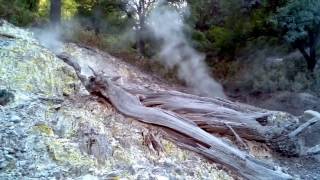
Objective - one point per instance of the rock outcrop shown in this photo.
(51, 128)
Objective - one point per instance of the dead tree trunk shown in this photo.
(191, 119)
(201, 141)
(218, 115)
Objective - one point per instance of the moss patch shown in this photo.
(44, 129)
(64, 153)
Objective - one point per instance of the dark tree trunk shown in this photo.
(96, 19)
(312, 60)
(33, 5)
(141, 28)
(311, 57)
(142, 47)
(141, 41)
(55, 12)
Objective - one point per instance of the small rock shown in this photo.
(9, 150)
(89, 177)
(22, 163)
(161, 178)
(4, 164)
(178, 170)
(15, 119)
(8, 156)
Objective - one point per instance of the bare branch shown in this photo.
(301, 128)
(313, 113)
(313, 151)
(238, 138)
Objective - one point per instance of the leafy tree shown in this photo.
(204, 13)
(19, 12)
(140, 10)
(229, 24)
(300, 23)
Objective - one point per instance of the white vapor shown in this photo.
(168, 26)
(49, 37)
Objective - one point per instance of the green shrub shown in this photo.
(200, 41)
(223, 39)
(17, 12)
(290, 74)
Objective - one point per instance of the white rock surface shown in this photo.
(54, 130)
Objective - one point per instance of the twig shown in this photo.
(93, 71)
(238, 138)
(54, 100)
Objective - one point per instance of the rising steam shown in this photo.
(167, 25)
(49, 37)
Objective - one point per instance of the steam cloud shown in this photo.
(167, 26)
(49, 37)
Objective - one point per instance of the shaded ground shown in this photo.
(307, 168)
(294, 103)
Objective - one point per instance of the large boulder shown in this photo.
(28, 68)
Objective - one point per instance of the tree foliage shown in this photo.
(20, 12)
(217, 27)
(299, 22)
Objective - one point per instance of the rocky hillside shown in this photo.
(51, 128)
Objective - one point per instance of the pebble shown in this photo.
(9, 150)
(8, 156)
(22, 163)
(4, 164)
(89, 177)
(15, 119)
(178, 170)
(161, 178)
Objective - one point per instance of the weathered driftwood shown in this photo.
(155, 111)
(218, 115)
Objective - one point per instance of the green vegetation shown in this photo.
(234, 34)
(18, 11)
(300, 23)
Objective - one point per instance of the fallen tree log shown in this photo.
(218, 115)
(153, 108)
